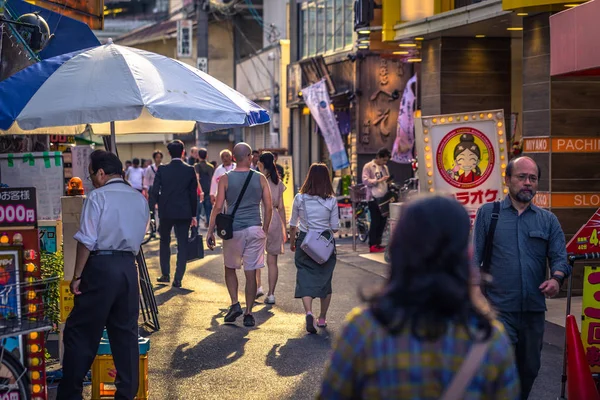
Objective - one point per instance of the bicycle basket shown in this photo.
(22, 306)
(358, 193)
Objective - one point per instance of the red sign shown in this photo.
(586, 240)
(18, 207)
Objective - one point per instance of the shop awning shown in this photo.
(574, 46)
(150, 33)
(69, 35)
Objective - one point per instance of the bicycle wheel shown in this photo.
(363, 231)
(150, 233)
(13, 377)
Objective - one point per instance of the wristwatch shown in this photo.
(558, 278)
(76, 278)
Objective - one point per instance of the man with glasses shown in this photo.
(527, 241)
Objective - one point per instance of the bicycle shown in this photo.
(151, 231)
(363, 221)
(17, 319)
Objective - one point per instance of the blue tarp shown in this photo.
(69, 34)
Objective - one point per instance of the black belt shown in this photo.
(121, 253)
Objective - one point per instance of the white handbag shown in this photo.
(318, 246)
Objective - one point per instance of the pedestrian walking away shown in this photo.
(422, 336)
(315, 208)
(247, 246)
(105, 282)
(523, 240)
(175, 190)
(204, 171)
(148, 182)
(226, 166)
(277, 234)
(375, 175)
(135, 175)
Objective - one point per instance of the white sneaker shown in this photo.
(259, 292)
(270, 299)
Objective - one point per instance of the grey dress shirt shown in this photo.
(523, 247)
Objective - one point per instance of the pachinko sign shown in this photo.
(17, 207)
(463, 155)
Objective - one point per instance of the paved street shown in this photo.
(196, 356)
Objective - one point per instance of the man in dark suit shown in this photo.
(175, 190)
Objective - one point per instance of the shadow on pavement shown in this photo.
(223, 347)
(167, 295)
(291, 358)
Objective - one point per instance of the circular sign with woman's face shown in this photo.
(465, 158)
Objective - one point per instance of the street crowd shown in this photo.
(461, 315)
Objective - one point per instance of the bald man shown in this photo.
(526, 242)
(247, 247)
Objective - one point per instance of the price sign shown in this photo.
(18, 207)
(587, 239)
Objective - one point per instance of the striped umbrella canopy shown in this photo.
(120, 90)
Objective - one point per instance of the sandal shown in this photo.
(322, 323)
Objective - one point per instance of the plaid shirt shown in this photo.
(369, 363)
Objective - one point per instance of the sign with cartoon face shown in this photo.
(464, 155)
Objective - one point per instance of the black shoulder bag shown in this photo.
(489, 244)
(223, 221)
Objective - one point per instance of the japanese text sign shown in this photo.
(586, 239)
(463, 155)
(590, 321)
(67, 300)
(18, 207)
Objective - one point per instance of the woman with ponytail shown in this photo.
(425, 325)
(277, 235)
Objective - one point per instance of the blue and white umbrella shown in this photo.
(138, 91)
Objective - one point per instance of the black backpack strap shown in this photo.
(489, 240)
(241, 196)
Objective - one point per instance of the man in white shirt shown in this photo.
(105, 282)
(375, 176)
(135, 175)
(226, 166)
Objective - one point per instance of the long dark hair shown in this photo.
(318, 182)
(268, 161)
(429, 285)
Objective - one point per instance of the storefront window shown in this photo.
(329, 25)
(326, 26)
(339, 28)
(312, 22)
(349, 22)
(320, 27)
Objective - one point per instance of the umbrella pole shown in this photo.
(113, 138)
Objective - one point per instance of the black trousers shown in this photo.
(377, 224)
(526, 333)
(109, 297)
(182, 227)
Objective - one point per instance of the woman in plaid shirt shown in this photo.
(413, 337)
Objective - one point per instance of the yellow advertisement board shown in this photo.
(67, 300)
(288, 181)
(590, 318)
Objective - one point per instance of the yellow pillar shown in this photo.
(284, 111)
(390, 16)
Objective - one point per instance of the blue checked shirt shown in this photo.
(369, 363)
(523, 248)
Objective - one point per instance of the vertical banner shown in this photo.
(288, 181)
(318, 102)
(184, 38)
(463, 155)
(402, 152)
(81, 162)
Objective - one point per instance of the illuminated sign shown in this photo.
(463, 155)
(561, 145)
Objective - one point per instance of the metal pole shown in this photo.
(353, 226)
(113, 138)
(568, 311)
